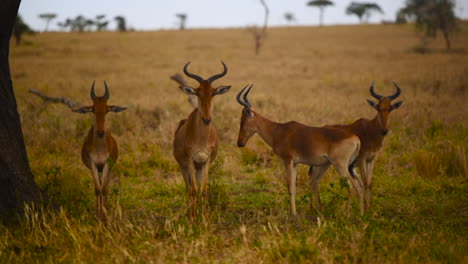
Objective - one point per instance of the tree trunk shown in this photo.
(260, 35)
(447, 39)
(17, 185)
(360, 19)
(47, 25)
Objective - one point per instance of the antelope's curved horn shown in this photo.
(191, 75)
(396, 94)
(246, 100)
(244, 104)
(106, 93)
(373, 93)
(93, 94)
(217, 76)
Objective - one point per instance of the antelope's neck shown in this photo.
(199, 134)
(375, 124)
(265, 128)
(375, 131)
(100, 143)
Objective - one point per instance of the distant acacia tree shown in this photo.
(89, 23)
(402, 16)
(47, 17)
(321, 4)
(289, 17)
(79, 23)
(19, 28)
(182, 20)
(100, 23)
(121, 23)
(363, 10)
(431, 16)
(259, 34)
(64, 25)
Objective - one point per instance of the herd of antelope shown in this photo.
(196, 143)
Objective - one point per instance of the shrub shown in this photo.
(67, 189)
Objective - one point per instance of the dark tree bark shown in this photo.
(17, 185)
(447, 39)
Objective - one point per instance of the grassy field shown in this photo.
(313, 75)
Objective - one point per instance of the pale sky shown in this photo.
(153, 14)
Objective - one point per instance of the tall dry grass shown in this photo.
(316, 76)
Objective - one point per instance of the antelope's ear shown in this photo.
(83, 109)
(372, 103)
(116, 109)
(396, 105)
(221, 90)
(188, 90)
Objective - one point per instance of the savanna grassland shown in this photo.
(316, 76)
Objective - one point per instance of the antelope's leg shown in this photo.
(368, 185)
(204, 185)
(357, 178)
(361, 180)
(315, 174)
(188, 188)
(351, 192)
(97, 189)
(363, 171)
(290, 169)
(193, 188)
(105, 187)
(342, 170)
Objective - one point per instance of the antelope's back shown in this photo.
(311, 142)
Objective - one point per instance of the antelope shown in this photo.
(371, 133)
(99, 152)
(295, 143)
(196, 141)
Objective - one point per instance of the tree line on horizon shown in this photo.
(363, 10)
(81, 23)
(429, 16)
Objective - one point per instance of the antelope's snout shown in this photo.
(240, 144)
(100, 133)
(384, 132)
(206, 121)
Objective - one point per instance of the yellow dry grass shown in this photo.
(316, 76)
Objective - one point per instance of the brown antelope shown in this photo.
(99, 152)
(371, 133)
(295, 143)
(196, 141)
